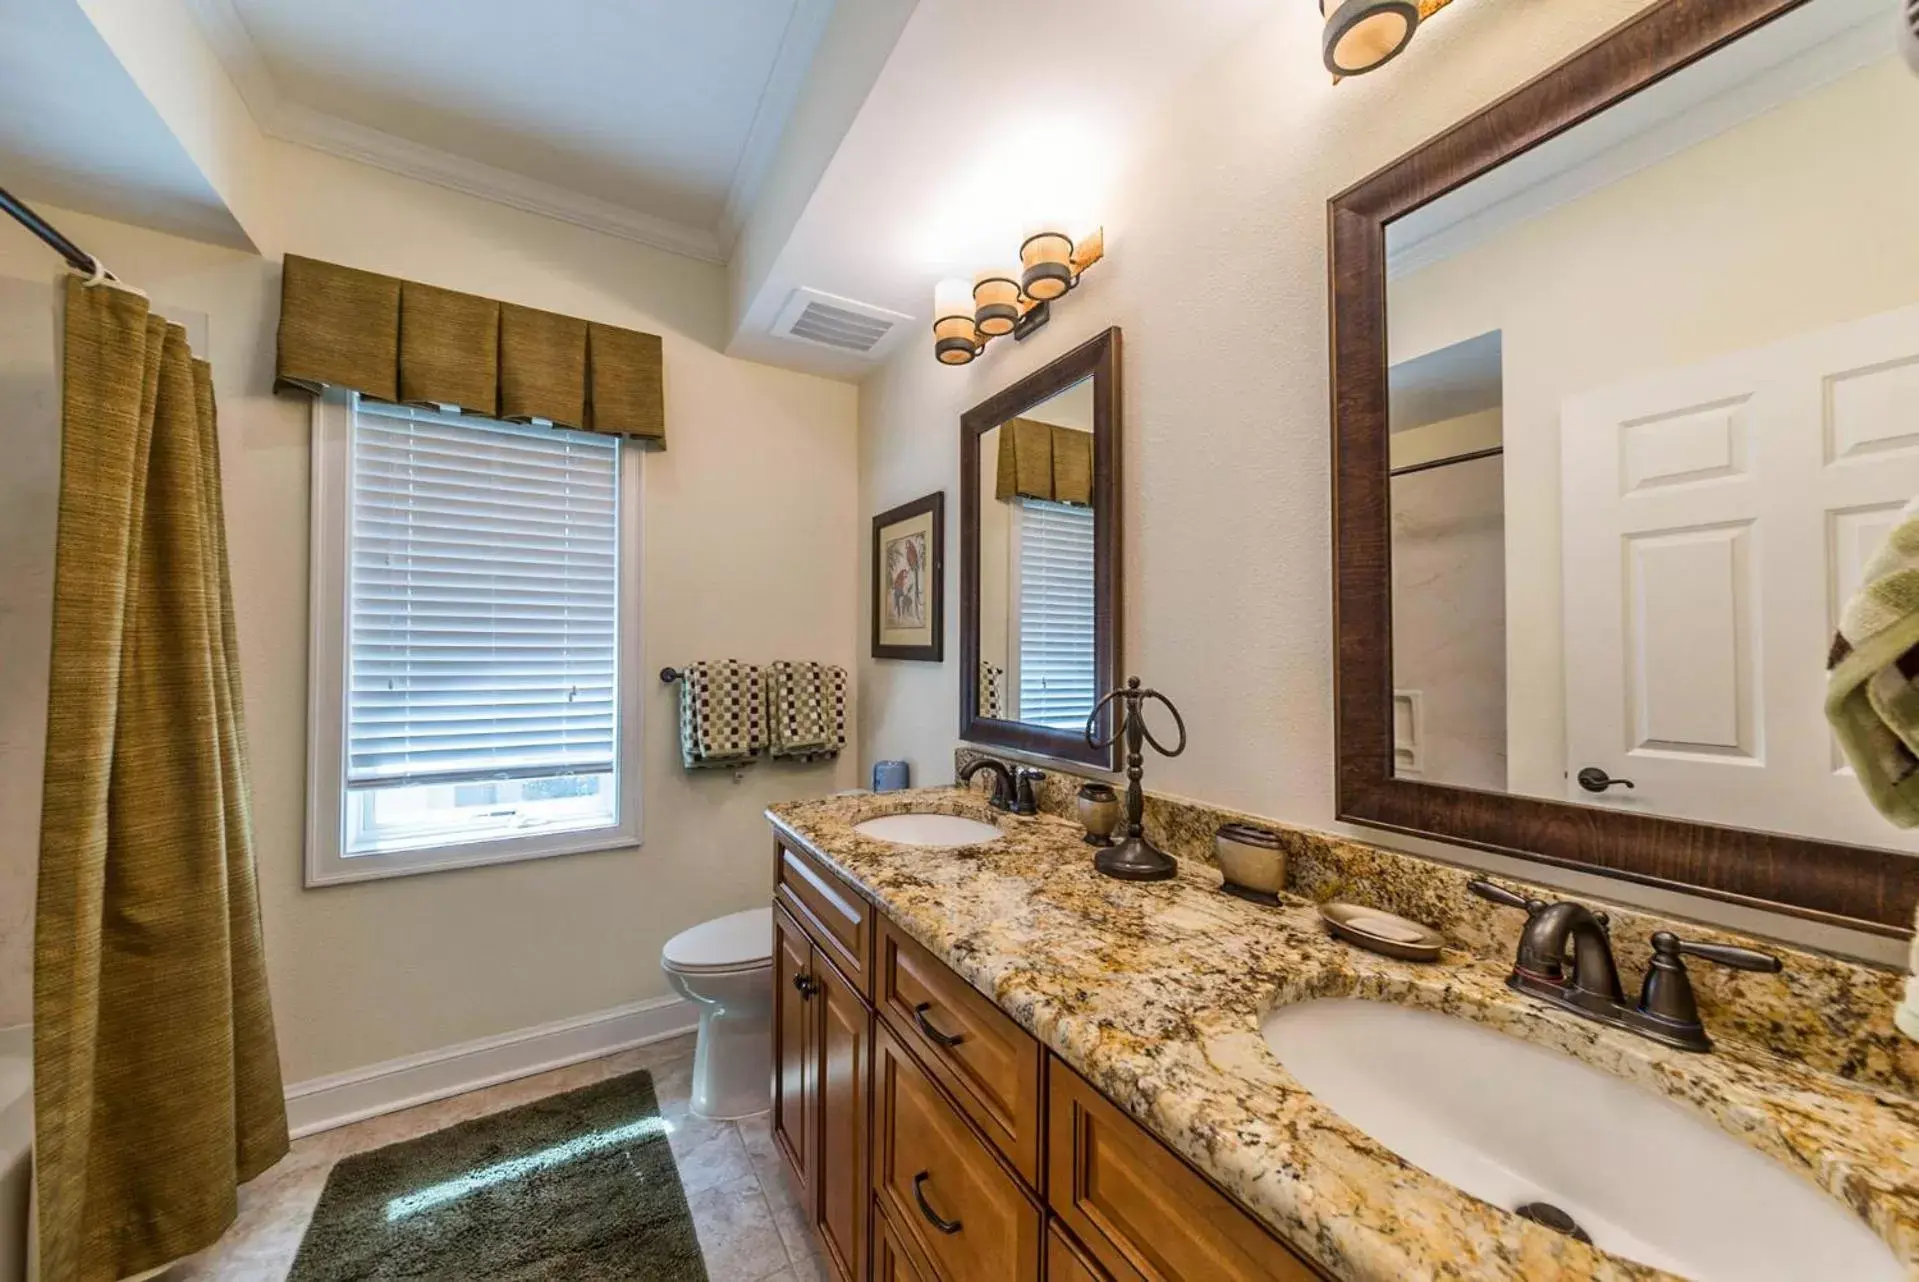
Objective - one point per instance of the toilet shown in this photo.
(726, 966)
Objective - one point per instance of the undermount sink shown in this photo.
(928, 830)
(1513, 1124)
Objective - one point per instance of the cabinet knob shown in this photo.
(805, 985)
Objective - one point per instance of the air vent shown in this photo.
(826, 320)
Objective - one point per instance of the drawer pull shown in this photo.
(805, 985)
(948, 1040)
(932, 1216)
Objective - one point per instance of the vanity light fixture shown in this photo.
(997, 303)
(1365, 35)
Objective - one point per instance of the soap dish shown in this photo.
(1381, 932)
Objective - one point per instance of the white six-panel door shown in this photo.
(1715, 518)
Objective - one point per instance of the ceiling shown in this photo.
(919, 188)
(76, 132)
(653, 119)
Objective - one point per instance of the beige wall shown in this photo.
(1217, 272)
(750, 524)
(1795, 220)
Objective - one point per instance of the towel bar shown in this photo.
(670, 675)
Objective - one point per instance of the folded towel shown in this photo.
(1871, 698)
(805, 710)
(721, 714)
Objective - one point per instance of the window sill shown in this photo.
(332, 870)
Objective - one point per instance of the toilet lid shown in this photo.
(737, 942)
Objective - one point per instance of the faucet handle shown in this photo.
(1498, 894)
(1667, 944)
(1666, 1005)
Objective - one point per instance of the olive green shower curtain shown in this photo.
(156, 1078)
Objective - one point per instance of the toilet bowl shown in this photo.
(726, 967)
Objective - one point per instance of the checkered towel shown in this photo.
(805, 710)
(991, 678)
(721, 714)
(1872, 675)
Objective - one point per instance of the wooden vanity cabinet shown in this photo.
(927, 1135)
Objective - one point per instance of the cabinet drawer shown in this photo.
(993, 1068)
(891, 1263)
(1066, 1262)
(1139, 1210)
(942, 1189)
(839, 921)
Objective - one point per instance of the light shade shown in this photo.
(1364, 35)
(1046, 262)
(995, 302)
(955, 341)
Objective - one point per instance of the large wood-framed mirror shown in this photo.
(1625, 392)
(1039, 557)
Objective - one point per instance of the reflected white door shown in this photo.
(1715, 520)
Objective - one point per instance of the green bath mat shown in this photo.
(579, 1186)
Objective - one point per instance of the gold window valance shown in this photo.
(398, 340)
(1044, 461)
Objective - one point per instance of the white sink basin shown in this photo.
(928, 830)
(1512, 1123)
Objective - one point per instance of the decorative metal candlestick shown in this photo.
(1135, 858)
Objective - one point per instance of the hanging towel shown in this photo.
(805, 710)
(1871, 696)
(721, 714)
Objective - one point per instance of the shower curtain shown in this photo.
(156, 1078)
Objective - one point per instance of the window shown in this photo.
(472, 588)
(1055, 564)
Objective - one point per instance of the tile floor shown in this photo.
(751, 1229)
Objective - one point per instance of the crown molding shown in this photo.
(226, 33)
(805, 27)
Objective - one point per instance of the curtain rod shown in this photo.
(78, 259)
(1428, 466)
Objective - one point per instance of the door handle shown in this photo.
(932, 1216)
(805, 985)
(948, 1040)
(1593, 779)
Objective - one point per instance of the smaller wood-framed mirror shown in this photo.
(1039, 557)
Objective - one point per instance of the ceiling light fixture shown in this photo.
(1365, 35)
(997, 303)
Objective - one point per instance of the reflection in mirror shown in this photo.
(1654, 400)
(1036, 579)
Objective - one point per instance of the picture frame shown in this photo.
(908, 596)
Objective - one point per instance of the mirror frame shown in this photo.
(1854, 886)
(1099, 359)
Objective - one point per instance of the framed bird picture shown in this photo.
(909, 581)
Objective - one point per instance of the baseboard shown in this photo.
(323, 1103)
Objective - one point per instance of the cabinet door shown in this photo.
(1138, 1209)
(794, 1091)
(843, 1036)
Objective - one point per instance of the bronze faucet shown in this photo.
(1589, 987)
(1012, 788)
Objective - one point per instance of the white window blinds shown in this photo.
(1055, 614)
(483, 600)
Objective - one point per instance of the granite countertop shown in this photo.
(1155, 992)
